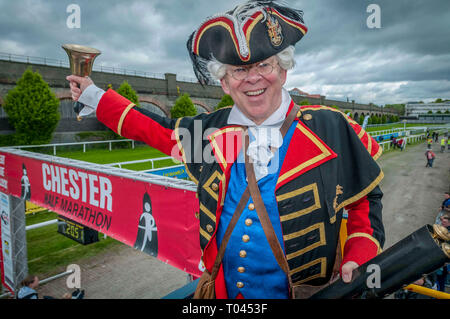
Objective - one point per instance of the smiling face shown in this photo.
(257, 96)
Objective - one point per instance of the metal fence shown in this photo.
(408, 140)
(54, 146)
(99, 68)
(148, 160)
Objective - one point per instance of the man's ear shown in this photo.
(283, 76)
(225, 86)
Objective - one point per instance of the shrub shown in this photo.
(127, 91)
(183, 107)
(32, 109)
(225, 101)
(304, 102)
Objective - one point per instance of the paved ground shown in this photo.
(412, 192)
(412, 195)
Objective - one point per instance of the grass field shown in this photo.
(50, 252)
(104, 156)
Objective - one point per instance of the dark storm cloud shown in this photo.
(408, 58)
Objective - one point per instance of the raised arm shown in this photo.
(124, 117)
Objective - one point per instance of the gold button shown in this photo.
(239, 284)
(246, 238)
(243, 253)
(307, 117)
(215, 187)
(197, 215)
(299, 113)
(241, 269)
(251, 206)
(209, 228)
(248, 222)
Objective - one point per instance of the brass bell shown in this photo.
(446, 249)
(441, 233)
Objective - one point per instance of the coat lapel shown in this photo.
(306, 151)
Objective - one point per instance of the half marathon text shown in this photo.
(91, 216)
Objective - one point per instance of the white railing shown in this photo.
(75, 143)
(43, 224)
(389, 131)
(408, 139)
(151, 160)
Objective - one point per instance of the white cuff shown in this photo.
(90, 98)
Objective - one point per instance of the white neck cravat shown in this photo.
(264, 136)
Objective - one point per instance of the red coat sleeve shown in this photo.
(130, 121)
(365, 231)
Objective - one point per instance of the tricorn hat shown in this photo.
(251, 32)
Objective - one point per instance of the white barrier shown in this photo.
(151, 160)
(412, 138)
(43, 224)
(75, 143)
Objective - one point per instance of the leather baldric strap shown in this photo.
(253, 190)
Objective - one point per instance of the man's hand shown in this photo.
(347, 270)
(77, 85)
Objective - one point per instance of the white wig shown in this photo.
(285, 59)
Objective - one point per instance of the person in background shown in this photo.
(429, 141)
(28, 290)
(442, 273)
(445, 207)
(443, 142)
(430, 157)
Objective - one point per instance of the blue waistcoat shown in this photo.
(258, 273)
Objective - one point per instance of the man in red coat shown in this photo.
(325, 162)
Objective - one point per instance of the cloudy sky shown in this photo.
(406, 59)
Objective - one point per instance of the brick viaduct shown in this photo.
(155, 94)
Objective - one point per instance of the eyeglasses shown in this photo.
(240, 73)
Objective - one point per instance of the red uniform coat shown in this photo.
(330, 164)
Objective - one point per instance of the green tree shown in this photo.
(32, 109)
(399, 107)
(384, 119)
(127, 91)
(430, 112)
(438, 101)
(226, 100)
(183, 107)
(361, 120)
(304, 102)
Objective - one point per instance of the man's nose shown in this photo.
(253, 75)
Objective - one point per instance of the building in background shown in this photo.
(428, 112)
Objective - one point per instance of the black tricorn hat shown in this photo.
(251, 32)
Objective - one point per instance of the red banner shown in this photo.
(159, 220)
